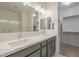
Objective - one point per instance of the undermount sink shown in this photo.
(4, 46)
(18, 42)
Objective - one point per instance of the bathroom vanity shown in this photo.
(42, 49)
(35, 46)
(26, 31)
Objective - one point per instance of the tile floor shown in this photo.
(69, 51)
(58, 55)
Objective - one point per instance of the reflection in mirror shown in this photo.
(53, 25)
(35, 21)
(4, 26)
(27, 19)
(9, 21)
(50, 23)
(14, 26)
(42, 23)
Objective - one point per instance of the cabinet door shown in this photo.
(53, 47)
(35, 54)
(44, 51)
(49, 49)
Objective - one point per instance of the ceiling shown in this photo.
(62, 7)
(48, 6)
(45, 5)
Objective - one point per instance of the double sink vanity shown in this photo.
(27, 31)
(42, 45)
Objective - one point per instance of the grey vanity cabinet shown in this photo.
(48, 47)
(26, 52)
(42, 49)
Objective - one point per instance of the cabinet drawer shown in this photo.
(44, 51)
(26, 51)
(49, 50)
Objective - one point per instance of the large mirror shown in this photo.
(35, 21)
(9, 21)
(42, 21)
(42, 24)
(27, 19)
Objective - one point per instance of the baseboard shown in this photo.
(70, 44)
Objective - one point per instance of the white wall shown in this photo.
(70, 25)
(70, 18)
(70, 11)
(71, 38)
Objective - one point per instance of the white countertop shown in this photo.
(6, 50)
